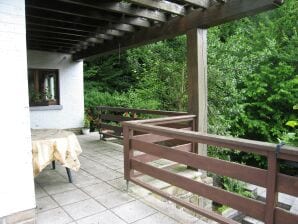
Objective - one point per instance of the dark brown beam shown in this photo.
(215, 15)
(58, 30)
(55, 46)
(51, 38)
(38, 27)
(199, 3)
(49, 49)
(71, 9)
(46, 34)
(122, 8)
(163, 5)
(76, 20)
(59, 24)
(46, 41)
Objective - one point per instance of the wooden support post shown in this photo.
(197, 81)
(128, 152)
(272, 194)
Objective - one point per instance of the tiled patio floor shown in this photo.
(98, 193)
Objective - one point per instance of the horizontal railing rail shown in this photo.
(173, 139)
(110, 118)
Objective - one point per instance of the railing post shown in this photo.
(128, 152)
(99, 123)
(272, 194)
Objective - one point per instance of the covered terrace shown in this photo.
(84, 29)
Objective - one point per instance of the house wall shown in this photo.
(70, 113)
(16, 176)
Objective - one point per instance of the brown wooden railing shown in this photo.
(172, 138)
(110, 118)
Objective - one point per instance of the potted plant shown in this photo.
(86, 128)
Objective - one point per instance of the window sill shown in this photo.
(43, 108)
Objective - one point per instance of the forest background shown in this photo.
(252, 78)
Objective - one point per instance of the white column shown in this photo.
(16, 173)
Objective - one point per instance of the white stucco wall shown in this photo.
(16, 176)
(71, 91)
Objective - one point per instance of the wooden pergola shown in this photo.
(87, 28)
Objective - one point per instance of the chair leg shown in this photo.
(69, 175)
(53, 165)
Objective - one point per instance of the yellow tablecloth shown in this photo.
(54, 144)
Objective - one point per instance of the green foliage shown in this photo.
(86, 121)
(252, 79)
(236, 186)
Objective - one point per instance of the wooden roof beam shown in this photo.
(76, 20)
(122, 8)
(215, 15)
(70, 9)
(163, 5)
(198, 3)
(36, 39)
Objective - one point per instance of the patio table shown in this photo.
(49, 145)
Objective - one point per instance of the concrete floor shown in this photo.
(98, 193)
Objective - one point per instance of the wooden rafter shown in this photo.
(163, 5)
(77, 20)
(121, 7)
(71, 9)
(86, 24)
(215, 15)
(198, 3)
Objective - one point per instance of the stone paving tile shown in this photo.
(55, 188)
(114, 199)
(45, 203)
(169, 209)
(133, 211)
(97, 190)
(157, 218)
(69, 197)
(106, 217)
(53, 216)
(39, 192)
(83, 208)
(110, 175)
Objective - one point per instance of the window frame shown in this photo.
(44, 104)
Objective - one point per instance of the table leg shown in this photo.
(53, 165)
(69, 175)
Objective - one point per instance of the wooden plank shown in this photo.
(208, 214)
(284, 217)
(117, 129)
(70, 9)
(199, 3)
(76, 20)
(165, 6)
(145, 158)
(215, 15)
(151, 138)
(241, 172)
(128, 153)
(271, 193)
(185, 147)
(141, 111)
(251, 207)
(246, 145)
(122, 8)
(197, 82)
(118, 118)
(287, 184)
(111, 135)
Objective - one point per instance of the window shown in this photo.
(43, 87)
